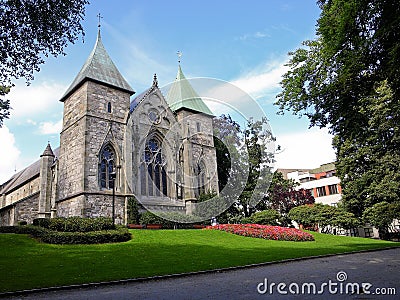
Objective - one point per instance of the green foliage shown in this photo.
(348, 79)
(163, 218)
(325, 216)
(4, 104)
(150, 218)
(42, 222)
(305, 215)
(45, 235)
(265, 217)
(133, 211)
(31, 31)
(78, 224)
(92, 237)
(380, 215)
(245, 156)
(283, 195)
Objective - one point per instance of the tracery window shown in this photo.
(107, 167)
(153, 174)
(200, 173)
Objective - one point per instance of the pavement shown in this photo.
(365, 275)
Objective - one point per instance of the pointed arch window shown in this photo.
(107, 167)
(200, 173)
(153, 173)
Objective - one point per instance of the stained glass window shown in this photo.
(107, 167)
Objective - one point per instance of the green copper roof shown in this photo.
(182, 96)
(100, 68)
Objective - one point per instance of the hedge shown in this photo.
(93, 237)
(76, 224)
(163, 218)
(120, 234)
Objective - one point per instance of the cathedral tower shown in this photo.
(92, 152)
(198, 158)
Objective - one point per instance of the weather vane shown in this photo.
(100, 17)
(179, 53)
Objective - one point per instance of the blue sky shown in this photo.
(243, 42)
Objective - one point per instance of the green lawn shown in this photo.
(27, 264)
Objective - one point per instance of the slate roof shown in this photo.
(25, 175)
(182, 96)
(99, 68)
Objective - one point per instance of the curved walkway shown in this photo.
(336, 276)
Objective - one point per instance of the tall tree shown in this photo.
(349, 73)
(283, 195)
(31, 30)
(245, 156)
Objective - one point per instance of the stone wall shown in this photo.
(104, 127)
(71, 207)
(27, 210)
(101, 206)
(29, 188)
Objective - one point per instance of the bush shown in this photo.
(22, 223)
(78, 224)
(92, 237)
(41, 222)
(120, 234)
(180, 220)
(35, 231)
(150, 218)
(265, 217)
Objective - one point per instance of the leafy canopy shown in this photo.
(31, 30)
(348, 79)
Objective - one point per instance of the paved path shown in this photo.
(381, 269)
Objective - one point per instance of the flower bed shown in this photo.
(265, 232)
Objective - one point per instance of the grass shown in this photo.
(27, 264)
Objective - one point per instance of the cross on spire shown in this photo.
(99, 17)
(179, 53)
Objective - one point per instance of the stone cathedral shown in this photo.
(113, 145)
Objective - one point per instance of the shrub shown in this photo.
(150, 218)
(164, 218)
(120, 234)
(22, 223)
(92, 237)
(78, 224)
(265, 217)
(41, 222)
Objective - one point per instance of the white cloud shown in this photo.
(50, 127)
(28, 101)
(9, 154)
(307, 149)
(256, 35)
(262, 80)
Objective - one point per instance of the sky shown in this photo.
(245, 43)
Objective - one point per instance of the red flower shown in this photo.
(264, 232)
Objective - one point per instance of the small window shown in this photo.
(109, 107)
(368, 232)
(198, 126)
(333, 189)
(321, 191)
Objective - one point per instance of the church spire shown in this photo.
(181, 95)
(99, 68)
